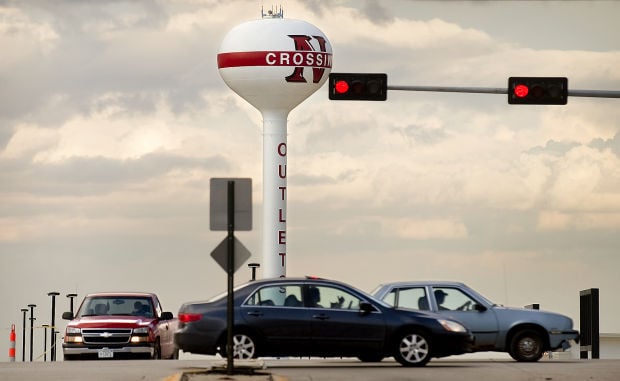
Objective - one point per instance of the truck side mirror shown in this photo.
(167, 316)
(67, 315)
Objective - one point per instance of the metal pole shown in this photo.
(71, 297)
(24, 311)
(253, 266)
(32, 319)
(594, 93)
(55, 337)
(497, 90)
(53, 294)
(231, 272)
(451, 89)
(45, 326)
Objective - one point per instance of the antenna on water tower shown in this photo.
(272, 14)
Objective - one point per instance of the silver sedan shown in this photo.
(524, 333)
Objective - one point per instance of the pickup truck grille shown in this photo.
(106, 335)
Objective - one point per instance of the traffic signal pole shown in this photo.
(451, 89)
(498, 90)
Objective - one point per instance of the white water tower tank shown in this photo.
(275, 64)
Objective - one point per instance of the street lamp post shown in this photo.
(32, 319)
(53, 294)
(45, 327)
(71, 297)
(253, 266)
(24, 311)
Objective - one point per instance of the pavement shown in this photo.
(441, 369)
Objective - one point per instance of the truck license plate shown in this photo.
(105, 353)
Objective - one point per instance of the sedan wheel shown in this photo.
(413, 349)
(526, 346)
(244, 347)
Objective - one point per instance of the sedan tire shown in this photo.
(244, 346)
(412, 348)
(526, 346)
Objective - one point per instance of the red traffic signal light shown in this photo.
(358, 86)
(538, 90)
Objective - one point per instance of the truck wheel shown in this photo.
(412, 348)
(526, 346)
(156, 351)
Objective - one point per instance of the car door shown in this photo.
(338, 327)
(166, 334)
(457, 304)
(283, 325)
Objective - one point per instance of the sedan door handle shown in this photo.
(320, 317)
(255, 313)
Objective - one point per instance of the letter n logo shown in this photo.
(302, 43)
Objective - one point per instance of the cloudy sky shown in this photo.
(113, 119)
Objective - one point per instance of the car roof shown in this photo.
(121, 294)
(306, 279)
(422, 283)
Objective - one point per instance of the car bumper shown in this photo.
(449, 345)
(81, 351)
(562, 339)
(193, 342)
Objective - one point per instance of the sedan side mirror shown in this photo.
(479, 307)
(366, 308)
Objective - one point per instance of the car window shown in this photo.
(453, 299)
(276, 295)
(331, 297)
(413, 297)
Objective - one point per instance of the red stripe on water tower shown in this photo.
(275, 58)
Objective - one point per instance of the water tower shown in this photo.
(275, 64)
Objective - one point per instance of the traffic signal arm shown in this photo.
(521, 90)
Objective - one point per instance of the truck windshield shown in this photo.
(127, 306)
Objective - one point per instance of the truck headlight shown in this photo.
(140, 335)
(452, 326)
(73, 335)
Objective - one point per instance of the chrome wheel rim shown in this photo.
(414, 348)
(243, 347)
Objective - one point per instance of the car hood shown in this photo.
(549, 320)
(110, 321)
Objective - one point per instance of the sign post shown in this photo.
(230, 254)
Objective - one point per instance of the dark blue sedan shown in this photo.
(286, 317)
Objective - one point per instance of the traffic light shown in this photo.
(357, 86)
(538, 90)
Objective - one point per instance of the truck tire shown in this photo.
(156, 351)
